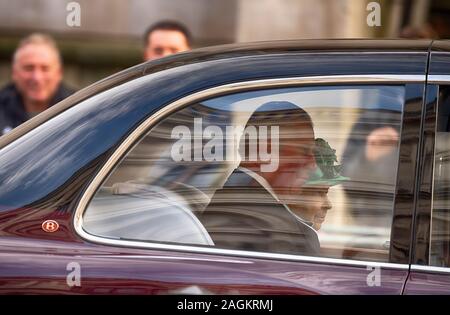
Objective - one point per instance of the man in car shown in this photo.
(165, 38)
(36, 81)
(251, 210)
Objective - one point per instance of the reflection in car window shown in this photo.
(291, 170)
(440, 220)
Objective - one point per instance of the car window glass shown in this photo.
(305, 171)
(440, 219)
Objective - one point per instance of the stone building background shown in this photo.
(110, 36)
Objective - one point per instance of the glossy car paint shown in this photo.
(431, 281)
(428, 282)
(40, 267)
(48, 162)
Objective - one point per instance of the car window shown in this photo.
(304, 171)
(439, 252)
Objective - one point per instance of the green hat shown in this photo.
(326, 172)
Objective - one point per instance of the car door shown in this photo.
(161, 191)
(430, 270)
(143, 160)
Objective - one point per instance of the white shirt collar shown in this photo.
(263, 182)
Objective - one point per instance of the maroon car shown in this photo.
(307, 167)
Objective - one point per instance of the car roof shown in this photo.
(223, 52)
(288, 46)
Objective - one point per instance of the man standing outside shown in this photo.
(166, 38)
(36, 81)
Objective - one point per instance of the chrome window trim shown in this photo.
(217, 91)
(239, 253)
(438, 79)
(430, 269)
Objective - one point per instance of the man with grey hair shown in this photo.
(36, 81)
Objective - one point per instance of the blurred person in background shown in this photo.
(36, 81)
(166, 38)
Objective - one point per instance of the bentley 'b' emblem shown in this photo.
(50, 226)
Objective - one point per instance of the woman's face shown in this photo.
(314, 206)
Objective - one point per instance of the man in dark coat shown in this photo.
(36, 82)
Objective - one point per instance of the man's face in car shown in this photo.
(296, 160)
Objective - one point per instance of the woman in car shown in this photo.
(314, 204)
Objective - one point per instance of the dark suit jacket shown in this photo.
(12, 109)
(244, 215)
